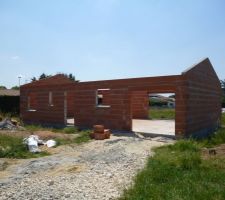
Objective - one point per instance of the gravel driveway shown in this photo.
(95, 170)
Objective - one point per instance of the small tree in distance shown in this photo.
(2, 87)
(43, 75)
(15, 88)
(33, 79)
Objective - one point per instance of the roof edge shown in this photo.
(195, 64)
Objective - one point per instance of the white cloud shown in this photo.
(15, 57)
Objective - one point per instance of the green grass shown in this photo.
(83, 136)
(13, 147)
(217, 138)
(177, 172)
(161, 113)
(66, 130)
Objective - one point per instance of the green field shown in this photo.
(161, 113)
(178, 172)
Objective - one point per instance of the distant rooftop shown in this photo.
(9, 92)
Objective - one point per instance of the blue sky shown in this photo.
(109, 39)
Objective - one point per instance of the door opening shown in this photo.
(154, 113)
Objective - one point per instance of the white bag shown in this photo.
(51, 143)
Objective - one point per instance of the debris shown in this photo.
(10, 124)
(33, 141)
(14, 122)
(51, 143)
(7, 124)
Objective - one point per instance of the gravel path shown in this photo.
(95, 170)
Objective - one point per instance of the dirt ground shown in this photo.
(44, 135)
(94, 170)
(215, 152)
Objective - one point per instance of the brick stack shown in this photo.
(100, 133)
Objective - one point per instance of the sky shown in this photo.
(108, 39)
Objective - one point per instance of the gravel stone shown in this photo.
(98, 170)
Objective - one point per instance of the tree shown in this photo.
(33, 79)
(70, 76)
(42, 76)
(15, 88)
(2, 87)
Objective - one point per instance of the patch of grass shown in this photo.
(216, 139)
(66, 130)
(83, 136)
(161, 113)
(33, 128)
(13, 147)
(178, 172)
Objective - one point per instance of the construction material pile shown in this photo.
(33, 142)
(8, 124)
(100, 133)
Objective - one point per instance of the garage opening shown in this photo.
(153, 113)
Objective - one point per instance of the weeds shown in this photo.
(161, 113)
(178, 172)
(66, 130)
(13, 147)
(83, 136)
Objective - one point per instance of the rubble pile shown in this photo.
(8, 124)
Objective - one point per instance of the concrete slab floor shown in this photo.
(161, 127)
(70, 121)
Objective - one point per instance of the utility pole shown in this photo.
(19, 77)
